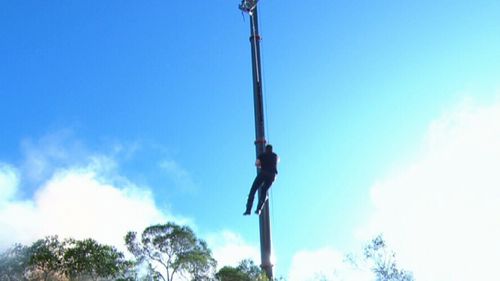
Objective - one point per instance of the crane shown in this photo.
(250, 7)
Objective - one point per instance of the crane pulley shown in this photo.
(247, 6)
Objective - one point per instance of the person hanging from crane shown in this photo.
(267, 169)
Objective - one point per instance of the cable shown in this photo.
(255, 37)
(264, 89)
(264, 94)
(272, 208)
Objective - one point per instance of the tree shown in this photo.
(46, 259)
(381, 261)
(49, 259)
(229, 273)
(384, 262)
(87, 259)
(245, 271)
(171, 250)
(13, 263)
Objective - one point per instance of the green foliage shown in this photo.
(13, 263)
(165, 251)
(88, 259)
(245, 271)
(382, 262)
(49, 259)
(170, 250)
(228, 273)
(46, 259)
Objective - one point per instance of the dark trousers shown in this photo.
(263, 181)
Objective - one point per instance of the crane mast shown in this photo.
(250, 6)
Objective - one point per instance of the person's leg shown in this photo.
(255, 186)
(268, 181)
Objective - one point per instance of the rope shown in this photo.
(264, 94)
(261, 74)
(255, 37)
(272, 209)
(260, 79)
(264, 89)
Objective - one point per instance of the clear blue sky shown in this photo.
(350, 89)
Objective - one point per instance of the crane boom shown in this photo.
(250, 6)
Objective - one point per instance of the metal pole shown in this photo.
(260, 141)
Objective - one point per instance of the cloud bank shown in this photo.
(180, 177)
(312, 265)
(75, 202)
(441, 212)
(326, 264)
(62, 188)
(229, 248)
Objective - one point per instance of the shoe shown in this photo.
(246, 213)
(257, 212)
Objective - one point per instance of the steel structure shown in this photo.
(250, 7)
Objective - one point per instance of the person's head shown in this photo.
(269, 148)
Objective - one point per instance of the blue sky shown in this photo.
(150, 103)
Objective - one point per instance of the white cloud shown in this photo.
(325, 263)
(78, 202)
(179, 176)
(441, 213)
(44, 155)
(79, 194)
(8, 182)
(229, 249)
(309, 265)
